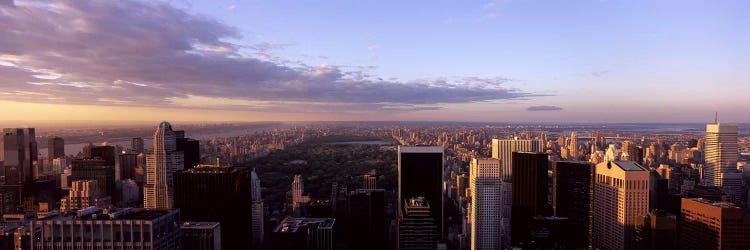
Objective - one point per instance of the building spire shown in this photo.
(716, 117)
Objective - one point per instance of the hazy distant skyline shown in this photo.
(495, 61)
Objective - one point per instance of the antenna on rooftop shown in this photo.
(716, 117)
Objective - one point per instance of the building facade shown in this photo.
(417, 227)
(420, 174)
(572, 190)
(713, 225)
(485, 182)
(201, 236)
(220, 194)
(531, 181)
(621, 192)
(91, 228)
(161, 165)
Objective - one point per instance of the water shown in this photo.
(75, 148)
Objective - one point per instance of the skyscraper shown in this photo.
(367, 221)
(531, 181)
(201, 236)
(104, 152)
(721, 153)
(417, 227)
(161, 164)
(55, 148)
(219, 194)
(574, 145)
(136, 229)
(304, 233)
(713, 225)
(258, 229)
(83, 194)
(620, 194)
(503, 150)
(95, 169)
(572, 188)
(19, 155)
(420, 174)
(136, 144)
(298, 198)
(486, 200)
(370, 180)
(190, 149)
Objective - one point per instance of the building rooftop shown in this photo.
(291, 224)
(199, 225)
(94, 213)
(714, 203)
(629, 166)
(212, 169)
(420, 149)
(417, 202)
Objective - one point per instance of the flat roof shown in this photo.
(291, 224)
(200, 225)
(629, 166)
(99, 214)
(420, 149)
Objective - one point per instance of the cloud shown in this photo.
(373, 47)
(544, 108)
(105, 53)
(599, 73)
(232, 7)
(490, 10)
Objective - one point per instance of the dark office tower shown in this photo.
(95, 169)
(655, 230)
(191, 148)
(367, 219)
(572, 188)
(19, 155)
(420, 174)
(55, 148)
(136, 144)
(319, 209)
(713, 225)
(106, 153)
(530, 194)
(128, 164)
(201, 236)
(217, 194)
(417, 227)
(304, 234)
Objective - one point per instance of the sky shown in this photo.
(494, 61)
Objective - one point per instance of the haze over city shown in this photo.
(489, 61)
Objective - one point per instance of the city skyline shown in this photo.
(485, 61)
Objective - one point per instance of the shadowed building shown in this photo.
(219, 194)
(417, 229)
(367, 219)
(201, 236)
(572, 190)
(530, 179)
(420, 174)
(304, 234)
